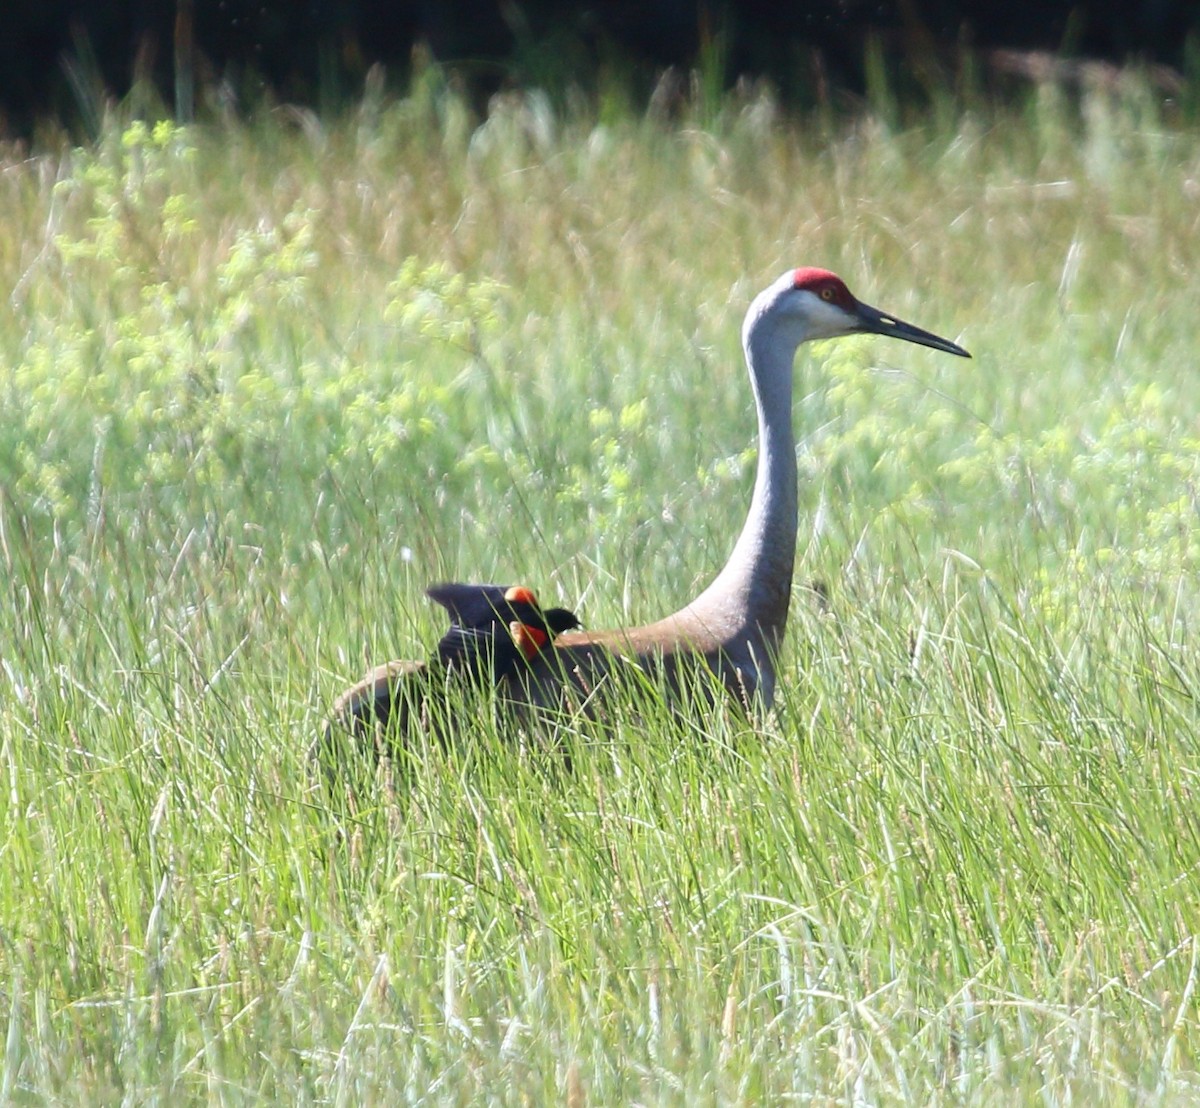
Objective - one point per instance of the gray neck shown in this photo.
(750, 596)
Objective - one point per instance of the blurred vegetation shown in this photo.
(63, 60)
(268, 378)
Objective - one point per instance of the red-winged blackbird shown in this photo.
(494, 629)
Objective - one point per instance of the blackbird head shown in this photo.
(559, 620)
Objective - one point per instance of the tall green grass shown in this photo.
(265, 381)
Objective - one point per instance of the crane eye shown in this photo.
(827, 294)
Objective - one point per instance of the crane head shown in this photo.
(829, 309)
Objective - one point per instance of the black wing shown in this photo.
(470, 605)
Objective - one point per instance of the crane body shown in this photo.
(734, 629)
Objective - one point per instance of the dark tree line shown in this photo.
(54, 53)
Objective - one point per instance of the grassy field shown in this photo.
(264, 382)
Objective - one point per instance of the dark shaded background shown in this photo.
(318, 51)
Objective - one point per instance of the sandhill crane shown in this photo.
(735, 627)
(494, 631)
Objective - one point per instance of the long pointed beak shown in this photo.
(874, 322)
